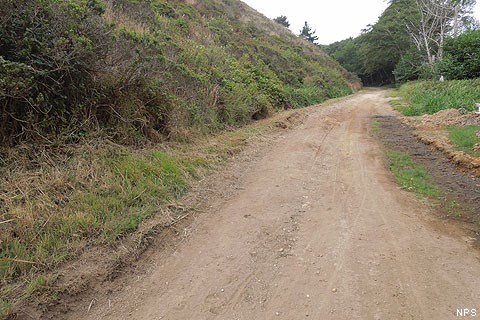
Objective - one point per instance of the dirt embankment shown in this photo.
(431, 130)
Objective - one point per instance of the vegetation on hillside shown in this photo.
(283, 20)
(149, 70)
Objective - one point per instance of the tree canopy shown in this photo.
(283, 20)
(308, 34)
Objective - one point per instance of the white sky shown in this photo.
(334, 20)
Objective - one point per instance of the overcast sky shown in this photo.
(334, 20)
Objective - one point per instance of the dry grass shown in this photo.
(122, 20)
(57, 201)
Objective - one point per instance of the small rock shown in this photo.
(281, 250)
(334, 290)
(277, 313)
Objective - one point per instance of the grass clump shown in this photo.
(5, 308)
(36, 284)
(464, 138)
(376, 126)
(429, 97)
(410, 175)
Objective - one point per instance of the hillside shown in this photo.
(150, 70)
(111, 109)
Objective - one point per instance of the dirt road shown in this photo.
(317, 230)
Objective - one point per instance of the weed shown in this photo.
(464, 138)
(410, 175)
(111, 191)
(5, 308)
(36, 284)
(454, 208)
(376, 126)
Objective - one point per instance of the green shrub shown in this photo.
(462, 56)
(409, 67)
(49, 52)
(306, 95)
(147, 68)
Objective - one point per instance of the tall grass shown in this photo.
(123, 189)
(428, 97)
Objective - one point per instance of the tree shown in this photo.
(462, 56)
(438, 19)
(462, 18)
(383, 44)
(283, 20)
(347, 53)
(308, 34)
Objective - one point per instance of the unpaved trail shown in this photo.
(318, 230)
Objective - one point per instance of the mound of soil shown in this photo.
(430, 129)
(439, 140)
(448, 117)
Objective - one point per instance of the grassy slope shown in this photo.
(428, 97)
(168, 70)
(151, 69)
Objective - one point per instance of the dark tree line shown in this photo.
(413, 39)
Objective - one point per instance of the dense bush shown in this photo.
(409, 66)
(49, 52)
(462, 56)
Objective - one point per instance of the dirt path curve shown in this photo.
(318, 231)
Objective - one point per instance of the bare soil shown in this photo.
(461, 188)
(305, 224)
